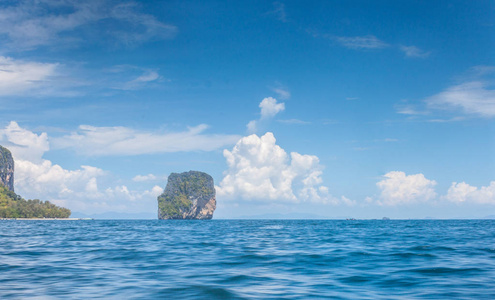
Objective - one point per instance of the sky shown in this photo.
(332, 109)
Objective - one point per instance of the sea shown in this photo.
(247, 259)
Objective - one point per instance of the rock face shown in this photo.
(6, 168)
(188, 195)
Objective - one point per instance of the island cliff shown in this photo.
(188, 195)
(6, 168)
(13, 205)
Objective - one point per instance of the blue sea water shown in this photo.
(247, 259)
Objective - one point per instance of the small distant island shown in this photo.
(13, 206)
(188, 196)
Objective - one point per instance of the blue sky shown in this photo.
(334, 108)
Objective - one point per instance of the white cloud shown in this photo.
(390, 140)
(37, 176)
(28, 24)
(37, 79)
(462, 193)
(399, 188)
(21, 77)
(279, 11)
(147, 76)
(112, 199)
(269, 108)
(51, 181)
(24, 144)
(361, 42)
(294, 121)
(78, 189)
(140, 178)
(122, 192)
(259, 169)
(282, 91)
(90, 140)
(413, 51)
(141, 81)
(473, 97)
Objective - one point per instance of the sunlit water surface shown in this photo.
(247, 259)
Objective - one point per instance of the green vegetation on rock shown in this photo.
(187, 196)
(14, 206)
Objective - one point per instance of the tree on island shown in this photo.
(14, 206)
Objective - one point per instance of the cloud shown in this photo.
(279, 11)
(141, 178)
(473, 97)
(147, 76)
(413, 51)
(51, 181)
(294, 121)
(141, 81)
(269, 108)
(361, 42)
(24, 144)
(463, 193)
(390, 140)
(37, 176)
(104, 141)
(37, 79)
(25, 77)
(407, 109)
(78, 189)
(28, 24)
(398, 188)
(282, 91)
(260, 170)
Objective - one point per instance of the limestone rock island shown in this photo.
(6, 168)
(188, 196)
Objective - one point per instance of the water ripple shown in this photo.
(247, 259)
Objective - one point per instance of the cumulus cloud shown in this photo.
(361, 42)
(115, 199)
(50, 180)
(473, 97)
(79, 190)
(28, 24)
(398, 188)
(413, 51)
(259, 169)
(463, 193)
(269, 108)
(101, 141)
